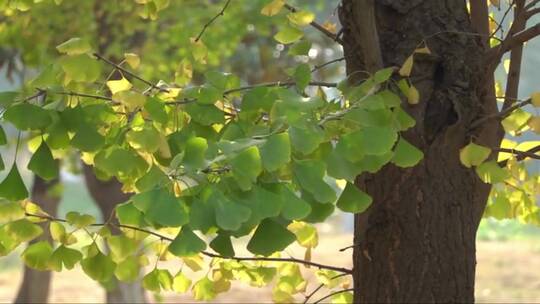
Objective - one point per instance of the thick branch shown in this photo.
(480, 18)
(520, 155)
(516, 55)
(317, 26)
(208, 254)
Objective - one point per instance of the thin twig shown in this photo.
(317, 26)
(501, 23)
(322, 285)
(502, 114)
(280, 84)
(318, 67)
(221, 13)
(520, 155)
(127, 72)
(516, 56)
(208, 254)
(82, 95)
(333, 294)
(39, 93)
(180, 102)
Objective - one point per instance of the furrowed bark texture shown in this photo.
(35, 284)
(416, 243)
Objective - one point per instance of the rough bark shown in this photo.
(35, 284)
(416, 243)
(107, 194)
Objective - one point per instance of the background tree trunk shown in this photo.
(35, 284)
(416, 243)
(107, 194)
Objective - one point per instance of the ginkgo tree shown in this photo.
(413, 131)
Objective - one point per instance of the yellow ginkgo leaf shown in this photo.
(535, 99)
(496, 3)
(132, 59)
(413, 96)
(330, 26)
(406, 68)
(534, 124)
(130, 99)
(506, 65)
(119, 85)
(301, 18)
(424, 50)
(273, 8)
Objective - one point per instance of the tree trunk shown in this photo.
(35, 284)
(107, 194)
(416, 243)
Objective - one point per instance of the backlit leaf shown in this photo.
(37, 255)
(43, 164)
(74, 46)
(120, 85)
(288, 35)
(273, 8)
(12, 187)
(473, 155)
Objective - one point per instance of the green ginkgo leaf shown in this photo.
(491, 172)
(229, 215)
(128, 270)
(294, 208)
(222, 244)
(27, 116)
(99, 267)
(269, 238)
(23, 230)
(12, 187)
(65, 256)
(203, 290)
(43, 164)
(186, 243)
(121, 247)
(406, 155)
(10, 211)
(3, 138)
(80, 220)
(353, 199)
(276, 151)
(87, 139)
(310, 175)
(306, 140)
(146, 139)
(74, 46)
(289, 34)
(37, 255)
(158, 279)
(246, 167)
